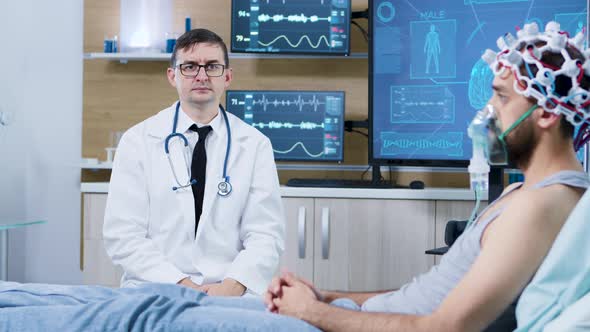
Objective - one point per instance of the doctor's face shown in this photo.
(206, 88)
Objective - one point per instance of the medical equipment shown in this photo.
(224, 188)
(528, 49)
(479, 167)
(489, 148)
(301, 125)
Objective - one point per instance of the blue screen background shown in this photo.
(428, 77)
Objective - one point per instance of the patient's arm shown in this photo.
(358, 297)
(512, 250)
(275, 288)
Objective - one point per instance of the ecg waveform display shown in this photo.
(266, 101)
(301, 125)
(416, 144)
(427, 78)
(295, 26)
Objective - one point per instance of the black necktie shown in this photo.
(198, 170)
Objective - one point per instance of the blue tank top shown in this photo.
(424, 293)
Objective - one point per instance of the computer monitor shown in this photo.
(301, 125)
(427, 79)
(291, 26)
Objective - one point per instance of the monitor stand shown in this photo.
(376, 178)
(496, 183)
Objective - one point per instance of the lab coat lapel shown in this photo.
(184, 195)
(214, 167)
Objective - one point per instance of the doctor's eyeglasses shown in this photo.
(191, 70)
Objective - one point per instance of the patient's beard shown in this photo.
(520, 145)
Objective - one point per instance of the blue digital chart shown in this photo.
(301, 125)
(291, 26)
(422, 104)
(427, 77)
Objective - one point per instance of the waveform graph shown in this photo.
(299, 148)
(423, 104)
(298, 27)
(284, 41)
(286, 101)
(303, 125)
(300, 18)
(443, 144)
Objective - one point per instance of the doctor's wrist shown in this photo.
(188, 283)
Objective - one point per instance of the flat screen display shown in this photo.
(301, 125)
(427, 79)
(291, 26)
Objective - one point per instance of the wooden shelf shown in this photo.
(126, 57)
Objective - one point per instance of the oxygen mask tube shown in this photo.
(479, 168)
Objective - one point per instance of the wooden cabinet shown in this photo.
(360, 244)
(299, 233)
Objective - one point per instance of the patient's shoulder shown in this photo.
(535, 212)
(546, 203)
(511, 187)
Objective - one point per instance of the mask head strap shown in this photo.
(502, 137)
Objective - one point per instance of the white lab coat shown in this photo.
(149, 228)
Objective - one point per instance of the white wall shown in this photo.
(41, 85)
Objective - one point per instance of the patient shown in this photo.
(535, 106)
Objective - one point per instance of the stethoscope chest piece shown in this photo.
(224, 188)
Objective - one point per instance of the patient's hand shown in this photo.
(275, 289)
(296, 298)
(228, 287)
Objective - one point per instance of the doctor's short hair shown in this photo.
(197, 36)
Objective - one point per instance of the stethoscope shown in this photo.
(224, 187)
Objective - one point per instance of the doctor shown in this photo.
(194, 194)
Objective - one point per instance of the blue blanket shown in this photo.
(150, 307)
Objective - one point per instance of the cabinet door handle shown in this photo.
(301, 231)
(325, 233)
